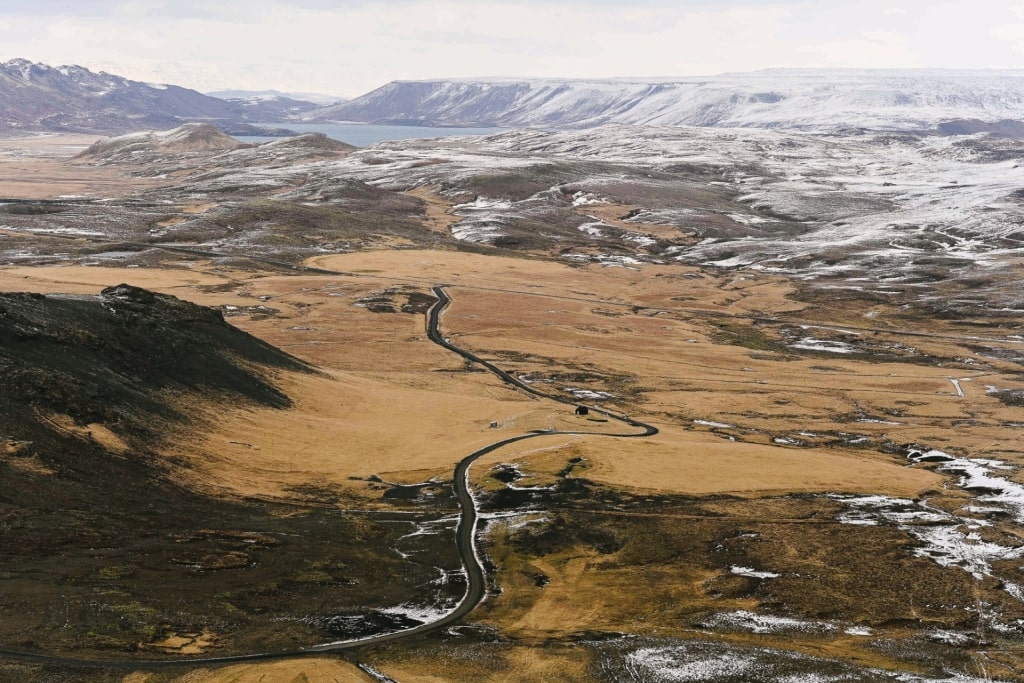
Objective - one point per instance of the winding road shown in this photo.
(465, 536)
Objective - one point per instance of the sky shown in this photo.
(349, 47)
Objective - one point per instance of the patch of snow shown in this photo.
(606, 260)
(747, 219)
(1014, 589)
(752, 573)
(718, 425)
(742, 620)
(812, 344)
(858, 631)
(666, 665)
(588, 395)
(593, 229)
(641, 239)
(78, 232)
(422, 613)
(945, 538)
(949, 637)
(515, 520)
(582, 198)
(657, 661)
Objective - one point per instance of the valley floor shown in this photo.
(835, 492)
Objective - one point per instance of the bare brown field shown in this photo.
(614, 214)
(323, 670)
(38, 167)
(438, 210)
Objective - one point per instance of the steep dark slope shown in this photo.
(102, 549)
(120, 359)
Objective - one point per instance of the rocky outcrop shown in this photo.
(127, 359)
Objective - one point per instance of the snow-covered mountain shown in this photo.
(38, 97)
(319, 99)
(794, 99)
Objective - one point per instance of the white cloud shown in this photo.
(347, 47)
(1012, 34)
(871, 51)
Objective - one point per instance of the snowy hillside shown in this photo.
(794, 99)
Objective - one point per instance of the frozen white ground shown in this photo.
(886, 213)
(880, 212)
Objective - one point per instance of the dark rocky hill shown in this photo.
(37, 97)
(105, 552)
(127, 360)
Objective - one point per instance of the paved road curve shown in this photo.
(465, 537)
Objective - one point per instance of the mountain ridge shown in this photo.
(801, 99)
(70, 98)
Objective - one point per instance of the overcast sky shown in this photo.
(348, 47)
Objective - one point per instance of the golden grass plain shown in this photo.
(406, 410)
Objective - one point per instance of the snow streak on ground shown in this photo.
(812, 344)
(482, 220)
(753, 573)
(742, 620)
(950, 539)
(648, 660)
(421, 613)
(862, 206)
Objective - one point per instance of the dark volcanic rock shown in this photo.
(120, 359)
(122, 536)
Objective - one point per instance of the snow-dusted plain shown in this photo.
(877, 212)
(888, 214)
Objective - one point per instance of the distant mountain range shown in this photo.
(37, 97)
(314, 97)
(819, 100)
